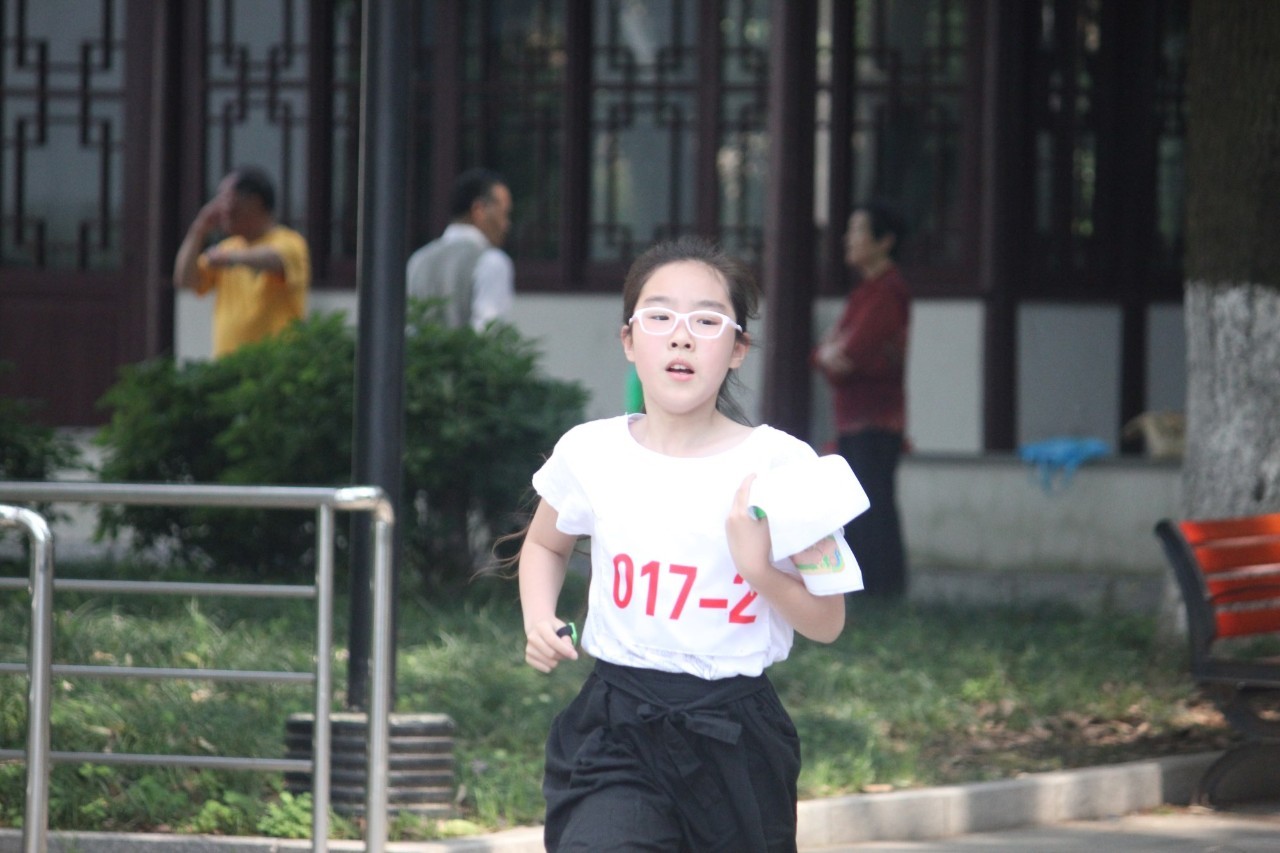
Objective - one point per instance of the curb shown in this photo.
(1037, 799)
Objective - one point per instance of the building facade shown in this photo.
(1035, 147)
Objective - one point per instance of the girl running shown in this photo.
(677, 740)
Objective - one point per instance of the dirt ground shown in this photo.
(995, 751)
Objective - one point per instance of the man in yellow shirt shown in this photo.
(260, 272)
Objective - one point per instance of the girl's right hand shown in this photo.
(543, 650)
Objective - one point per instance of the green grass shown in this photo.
(909, 696)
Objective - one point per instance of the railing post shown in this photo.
(321, 735)
(380, 698)
(35, 821)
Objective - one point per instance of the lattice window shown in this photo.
(61, 134)
(1066, 140)
(1171, 112)
(343, 191)
(909, 86)
(1107, 123)
(269, 95)
(743, 152)
(644, 123)
(513, 111)
(256, 102)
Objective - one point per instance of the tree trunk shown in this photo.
(1232, 466)
(1232, 305)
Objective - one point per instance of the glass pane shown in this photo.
(1067, 156)
(344, 195)
(642, 175)
(908, 91)
(742, 159)
(257, 95)
(646, 42)
(61, 135)
(745, 30)
(1171, 189)
(1044, 183)
(742, 167)
(512, 109)
(643, 124)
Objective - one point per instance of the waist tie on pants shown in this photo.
(723, 754)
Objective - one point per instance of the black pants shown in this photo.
(665, 762)
(876, 535)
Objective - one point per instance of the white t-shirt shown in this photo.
(664, 591)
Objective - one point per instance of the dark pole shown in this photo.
(788, 259)
(380, 257)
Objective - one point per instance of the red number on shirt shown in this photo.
(624, 579)
(689, 572)
(736, 616)
(650, 571)
(623, 584)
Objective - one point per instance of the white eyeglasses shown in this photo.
(701, 324)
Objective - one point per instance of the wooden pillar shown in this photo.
(1001, 262)
(788, 266)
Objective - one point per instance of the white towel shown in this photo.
(805, 502)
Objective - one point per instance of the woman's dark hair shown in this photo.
(885, 219)
(744, 293)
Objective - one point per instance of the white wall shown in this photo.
(944, 376)
(1068, 373)
(961, 508)
(192, 326)
(578, 336)
(193, 319)
(995, 513)
(1166, 358)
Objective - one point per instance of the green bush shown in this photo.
(467, 472)
(479, 417)
(28, 450)
(274, 413)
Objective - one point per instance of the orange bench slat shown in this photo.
(1244, 623)
(1237, 554)
(1198, 531)
(1238, 590)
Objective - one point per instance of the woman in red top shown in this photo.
(864, 357)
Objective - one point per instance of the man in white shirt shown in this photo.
(466, 266)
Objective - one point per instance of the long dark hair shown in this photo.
(744, 295)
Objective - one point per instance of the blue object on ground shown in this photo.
(1060, 457)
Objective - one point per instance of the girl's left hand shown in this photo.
(545, 648)
(749, 539)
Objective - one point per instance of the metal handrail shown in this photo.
(324, 501)
(188, 673)
(36, 812)
(240, 590)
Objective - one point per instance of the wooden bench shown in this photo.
(1228, 571)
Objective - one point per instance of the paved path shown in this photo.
(1116, 809)
(1247, 830)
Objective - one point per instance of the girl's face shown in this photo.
(682, 372)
